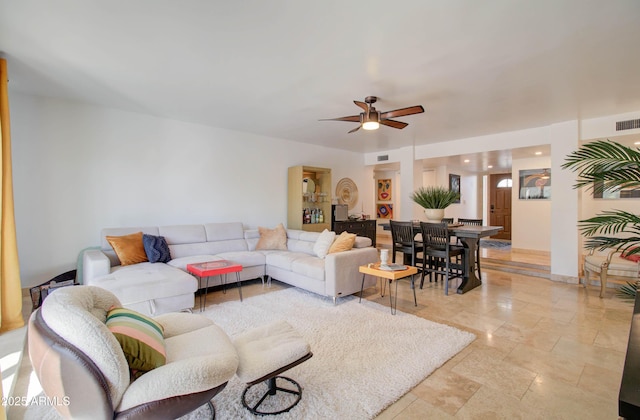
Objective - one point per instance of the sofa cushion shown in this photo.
(183, 234)
(323, 243)
(129, 248)
(182, 262)
(146, 281)
(362, 242)
(272, 238)
(344, 242)
(309, 266)
(284, 259)
(224, 231)
(140, 337)
(245, 258)
(156, 248)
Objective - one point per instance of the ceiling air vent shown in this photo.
(382, 158)
(627, 125)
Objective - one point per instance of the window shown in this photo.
(505, 183)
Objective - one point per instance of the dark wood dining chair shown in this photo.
(404, 240)
(447, 220)
(474, 222)
(438, 254)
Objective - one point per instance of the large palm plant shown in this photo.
(605, 166)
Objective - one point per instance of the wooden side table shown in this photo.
(215, 268)
(374, 270)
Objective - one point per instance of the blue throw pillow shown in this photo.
(156, 248)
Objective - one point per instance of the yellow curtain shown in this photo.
(10, 289)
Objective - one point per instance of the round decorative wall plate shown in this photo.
(347, 192)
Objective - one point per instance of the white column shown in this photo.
(407, 177)
(565, 249)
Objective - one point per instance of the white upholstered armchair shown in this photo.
(78, 359)
(608, 263)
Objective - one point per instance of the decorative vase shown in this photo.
(434, 215)
(384, 257)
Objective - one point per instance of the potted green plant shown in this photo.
(434, 200)
(609, 166)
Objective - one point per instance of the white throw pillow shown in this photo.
(323, 243)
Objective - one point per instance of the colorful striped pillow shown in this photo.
(140, 337)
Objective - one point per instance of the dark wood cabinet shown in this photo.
(366, 228)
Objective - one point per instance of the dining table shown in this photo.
(469, 237)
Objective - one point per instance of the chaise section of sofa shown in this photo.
(155, 288)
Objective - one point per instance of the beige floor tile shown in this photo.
(420, 410)
(549, 364)
(569, 402)
(538, 339)
(597, 356)
(489, 368)
(477, 322)
(446, 390)
(602, 382)
(492, 404)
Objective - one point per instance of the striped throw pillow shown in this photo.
(140, 337)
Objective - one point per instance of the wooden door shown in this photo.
(500, 204)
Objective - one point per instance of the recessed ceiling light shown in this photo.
(490, 166)
(538, 153)
(636, 143)
(467, 161)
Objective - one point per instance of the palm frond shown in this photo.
(605, 166)
(611, 222)
(628, 291)
(607, 242)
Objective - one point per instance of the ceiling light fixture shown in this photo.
(370, 120)
(371, 125)
(545, 174)
(538, 153)
(490, 166)
(467, 161)
(637, 143)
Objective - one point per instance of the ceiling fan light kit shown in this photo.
(371, 119)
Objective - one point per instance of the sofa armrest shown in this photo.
(94, 264)
(342, 275)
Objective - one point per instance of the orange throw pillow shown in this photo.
(129, 248)
(343, 242)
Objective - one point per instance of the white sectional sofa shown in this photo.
(155, 288)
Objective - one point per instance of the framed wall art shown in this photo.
(385, 211)
(535, 184)
(454, 185)
(384, 190)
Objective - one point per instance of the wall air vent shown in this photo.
(382, 158)
(627, 125)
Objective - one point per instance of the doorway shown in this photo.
(500, 204)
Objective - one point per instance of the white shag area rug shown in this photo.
(364, 358)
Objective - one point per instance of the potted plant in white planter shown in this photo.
(434, 200)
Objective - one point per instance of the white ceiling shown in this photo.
(275, 67)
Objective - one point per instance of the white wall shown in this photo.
(80, 168)
(530, 219)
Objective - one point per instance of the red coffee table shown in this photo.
(215, 268)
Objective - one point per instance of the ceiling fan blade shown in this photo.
(352, 118)
(362, 105)
(354, 130)
(395, 124)
(402, 112)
